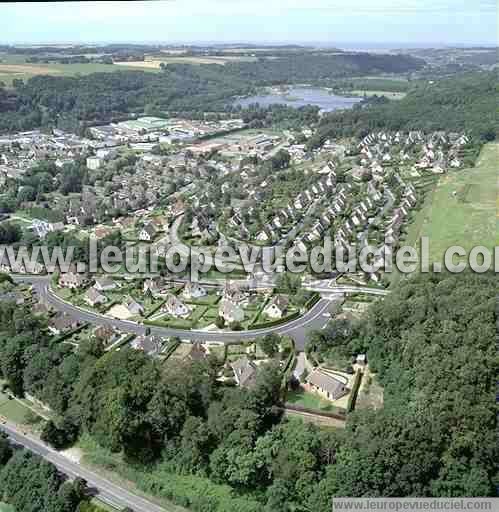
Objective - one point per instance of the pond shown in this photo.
(301, 96)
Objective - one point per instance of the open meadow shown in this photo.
(462, 208)
(15, 67)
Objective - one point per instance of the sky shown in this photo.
(345, 22)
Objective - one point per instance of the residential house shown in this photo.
(94, 163)
(175, 307)
(72, 280)
(104, 284)
(61, 323)
(134, 307)
(148, 233)
(156, 287)
(325, 384)
(93, 297)
(195, 352)
(245, 372)
(277, 307)
(42, 228)
(230, 311)
(193, 291)
(107, 334)
(151, 345)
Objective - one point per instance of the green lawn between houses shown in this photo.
(6, 508)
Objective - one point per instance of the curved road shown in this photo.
(298, 328)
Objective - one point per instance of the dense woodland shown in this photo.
(463, 103)
(216, 448)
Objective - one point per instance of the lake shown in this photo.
(301, 96)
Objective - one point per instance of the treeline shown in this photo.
(320, 68)
(373, 84)
(466, 103)
(28, 483)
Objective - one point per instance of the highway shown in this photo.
(107, 491)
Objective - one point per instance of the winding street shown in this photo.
(313, 319)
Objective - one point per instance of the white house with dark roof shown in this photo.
(193, 291)
(175, 307)
(277, 307)
(148, 233)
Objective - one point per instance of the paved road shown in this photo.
(298, 329)
(106, 491)
(315, 318)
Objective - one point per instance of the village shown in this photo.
(156, 183)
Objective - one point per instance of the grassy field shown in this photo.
(6, 508)
(154, 63)
(15, 67)
(13, 410)
(463, 208)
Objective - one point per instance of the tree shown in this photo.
(10, 233)
(5, 449)
(270, 344)
(62, 436)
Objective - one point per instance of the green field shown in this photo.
(12, 410)
(5, 508)
(462, 210)
(15, 67)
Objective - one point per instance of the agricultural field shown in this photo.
(15, 67)
(462, 209)
(155, 63)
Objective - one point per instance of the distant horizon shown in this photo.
(373, 23)
(343, 45)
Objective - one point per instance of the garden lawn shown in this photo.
(309, 400)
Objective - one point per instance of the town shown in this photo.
(204, 304)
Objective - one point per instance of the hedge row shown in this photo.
(172, 346)
(355, 391)
(155, 309)
(312, 301)
(273, 323)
